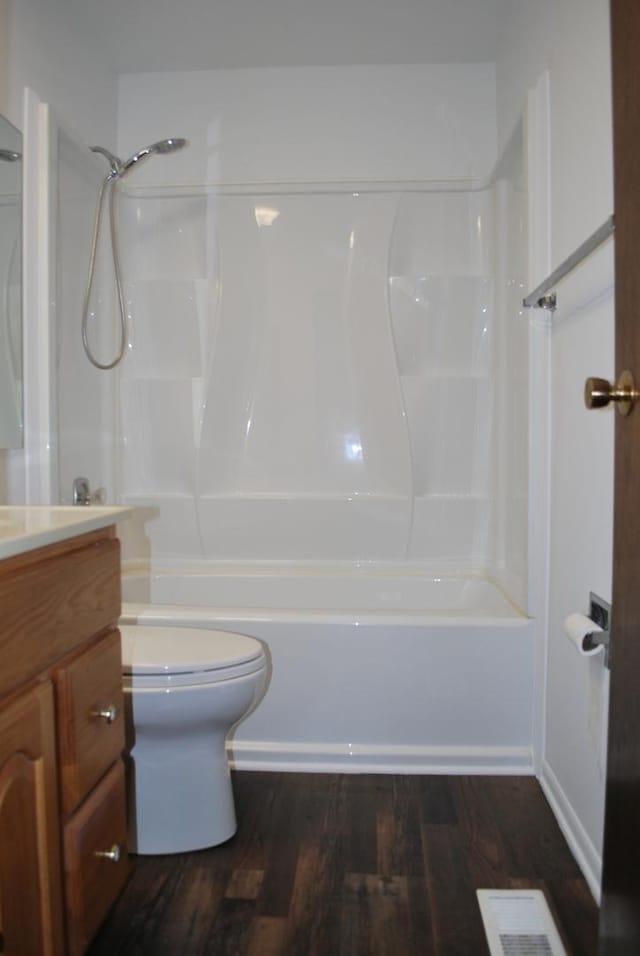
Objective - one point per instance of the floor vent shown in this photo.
(519, 923)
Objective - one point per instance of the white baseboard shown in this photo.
(372, 758)
(585, 853)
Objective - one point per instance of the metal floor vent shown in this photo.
(519, 923)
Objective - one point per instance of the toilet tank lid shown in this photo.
(180, 650)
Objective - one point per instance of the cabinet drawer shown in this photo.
(90, 717)
(93, 881)
(52, 600)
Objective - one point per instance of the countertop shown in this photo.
(26, 527)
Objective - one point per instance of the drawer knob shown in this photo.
(106, 713)
(113, 855)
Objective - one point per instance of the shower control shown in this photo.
(82, 494)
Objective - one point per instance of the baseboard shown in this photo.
(373, 758)
(585, 853)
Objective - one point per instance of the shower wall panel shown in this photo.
(508, 528)
(441, 300)
(264, 393)
(303, 427)
(310, 375)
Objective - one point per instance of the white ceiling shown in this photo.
(152, 35)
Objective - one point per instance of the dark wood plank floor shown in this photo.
(354, 865)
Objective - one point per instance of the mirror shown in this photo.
(10, 286)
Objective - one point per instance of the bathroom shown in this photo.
(448, 121)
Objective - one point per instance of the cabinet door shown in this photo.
(30, 874)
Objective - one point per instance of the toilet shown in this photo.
(184, 689)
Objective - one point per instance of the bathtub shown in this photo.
(369, 671)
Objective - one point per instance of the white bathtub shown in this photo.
(370, 671)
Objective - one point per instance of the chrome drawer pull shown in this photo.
(107, 713)
(113, 855)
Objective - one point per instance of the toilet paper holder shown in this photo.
(600, 614)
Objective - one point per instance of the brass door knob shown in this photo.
(598, 392)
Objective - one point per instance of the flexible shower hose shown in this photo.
(111, 181)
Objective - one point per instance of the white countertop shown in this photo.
(26, 527)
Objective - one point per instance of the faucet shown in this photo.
(82, 494)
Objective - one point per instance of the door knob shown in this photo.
(598, 392)
(112, 854)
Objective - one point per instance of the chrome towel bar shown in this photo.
(539, 298)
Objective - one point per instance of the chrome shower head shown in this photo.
(162, 147)
(120, 168)
(168, 145)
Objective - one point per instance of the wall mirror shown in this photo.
(11, 430)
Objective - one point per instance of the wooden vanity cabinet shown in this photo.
(63, 856)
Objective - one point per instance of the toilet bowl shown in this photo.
(184, 689)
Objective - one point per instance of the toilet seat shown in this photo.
(168, 656)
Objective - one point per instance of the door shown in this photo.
(30, 872)
(620, 911)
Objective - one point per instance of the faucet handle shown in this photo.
(81, 491)
(82, 494)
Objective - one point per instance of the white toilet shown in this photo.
(184, 689)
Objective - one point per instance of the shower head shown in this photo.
(120, 168)
(9, 156)
(162, 147)
(109, 188)
(168, 145)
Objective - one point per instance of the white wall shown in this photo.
(327, 124)
(52, 51)
(147, 35)
(570, 38)
(4, 55)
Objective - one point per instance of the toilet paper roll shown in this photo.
(576, 627)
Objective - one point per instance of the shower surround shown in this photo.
(322, 416)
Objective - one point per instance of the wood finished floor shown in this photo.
(354, 865)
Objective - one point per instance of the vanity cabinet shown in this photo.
(63, 854)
